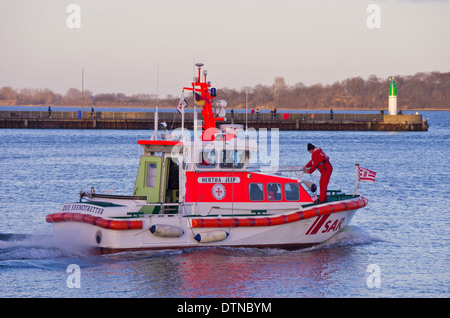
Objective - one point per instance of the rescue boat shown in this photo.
(201, 190)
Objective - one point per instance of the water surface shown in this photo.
(403, 230)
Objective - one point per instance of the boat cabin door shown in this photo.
(155, 180)
(148, 179)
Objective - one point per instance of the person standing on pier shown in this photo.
(319, 160)
(274, 112)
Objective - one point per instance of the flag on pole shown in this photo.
(198, 99)
(182, 104)
(366, 174)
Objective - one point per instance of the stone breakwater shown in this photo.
(145, 121)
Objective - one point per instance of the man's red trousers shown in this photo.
(325, 174)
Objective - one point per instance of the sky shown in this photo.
(150, 46)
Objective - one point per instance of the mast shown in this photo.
(202, 96)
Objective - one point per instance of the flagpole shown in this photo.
(357, 178)
(182, 115)
(246, 102)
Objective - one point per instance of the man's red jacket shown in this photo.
(318, 160)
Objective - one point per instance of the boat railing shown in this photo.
(292, 172)
(162, 208)
(90, 195)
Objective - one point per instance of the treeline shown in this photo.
(419, 91)
(73, 97)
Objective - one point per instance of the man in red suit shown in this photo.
(319, 160)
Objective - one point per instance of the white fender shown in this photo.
(213, 236)
(165, 230)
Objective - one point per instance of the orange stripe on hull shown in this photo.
(282, 219)
(97, 221)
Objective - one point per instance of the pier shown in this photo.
(145, 121)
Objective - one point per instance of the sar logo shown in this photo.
(218, 191)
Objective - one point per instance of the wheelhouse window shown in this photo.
(274, 192)
(151, 175)
(292, 192)
(232, 159)
(256, 191)
(206, 159)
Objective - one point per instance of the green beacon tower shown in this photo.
(393, 97)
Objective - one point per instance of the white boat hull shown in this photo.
(197, 231)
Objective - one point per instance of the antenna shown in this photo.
(157, 86)
(155, 136)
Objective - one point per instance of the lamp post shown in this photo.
(82, 93)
